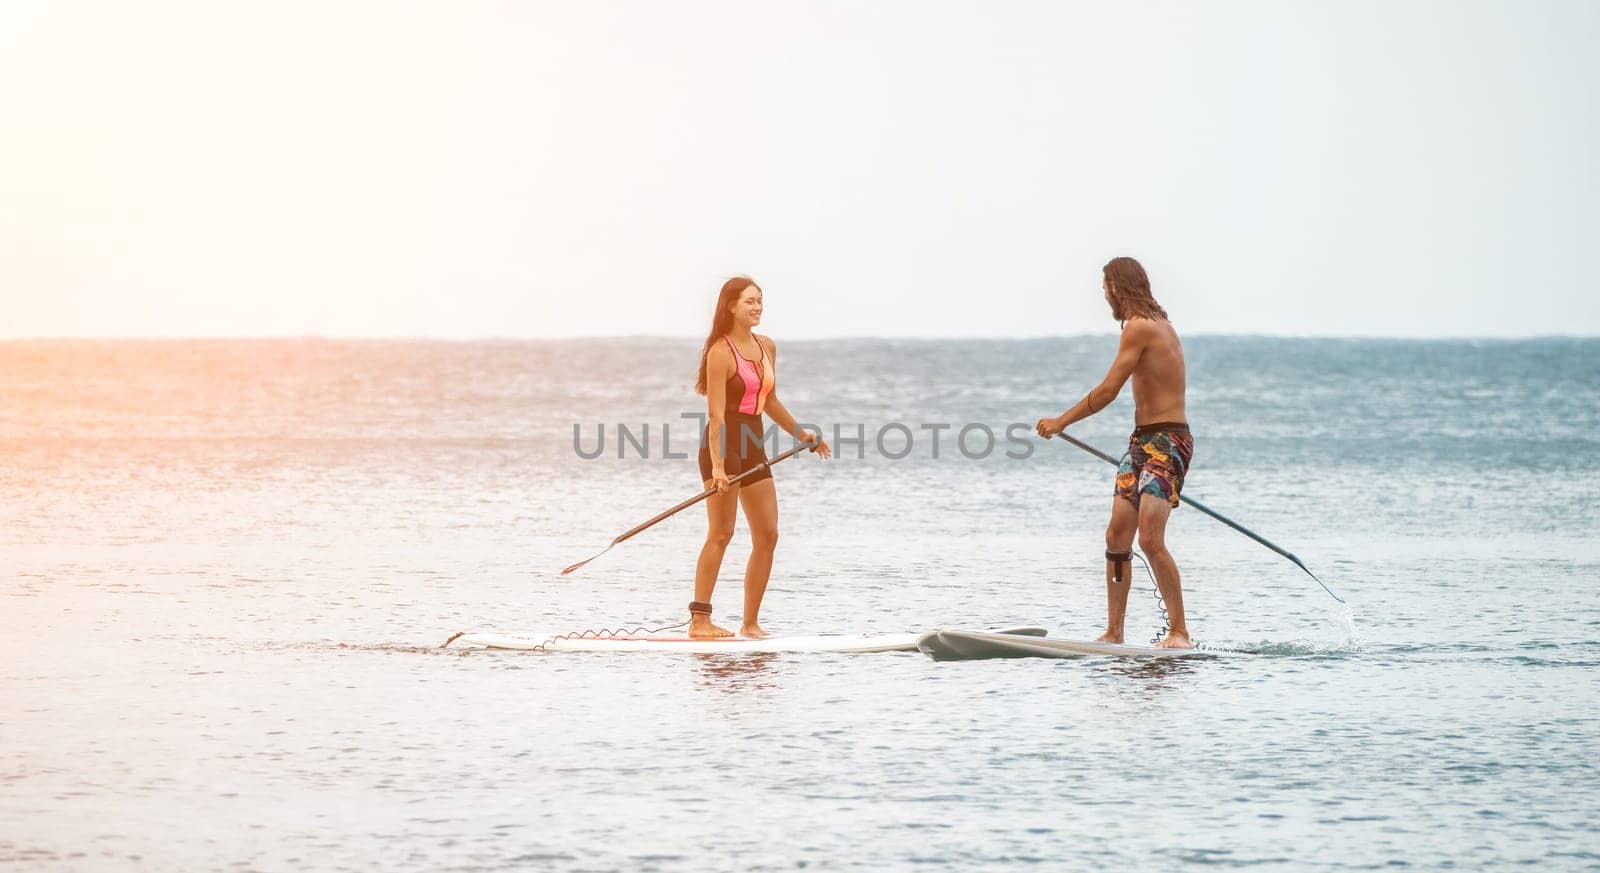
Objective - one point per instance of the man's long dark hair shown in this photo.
(721, 321)
(1130, 291)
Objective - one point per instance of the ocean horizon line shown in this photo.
(507, 339)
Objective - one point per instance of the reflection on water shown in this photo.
(735, 674)
(1159, 672)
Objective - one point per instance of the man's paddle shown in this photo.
(1213, 513)
(686, 504)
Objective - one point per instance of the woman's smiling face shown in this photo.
(747, 309)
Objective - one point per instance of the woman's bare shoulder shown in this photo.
(719, 356)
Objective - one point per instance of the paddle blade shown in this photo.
(585, 561)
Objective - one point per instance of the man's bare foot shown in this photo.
(1110, 637)
(1176, 640)
(701, 628)
(753, 632)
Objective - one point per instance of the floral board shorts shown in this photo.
(1157, 460)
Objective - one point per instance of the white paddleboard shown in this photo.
(958, 645)
(677, 642)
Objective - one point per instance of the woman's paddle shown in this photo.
(686, 504)
(1213, 513)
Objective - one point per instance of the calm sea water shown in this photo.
(226, 567)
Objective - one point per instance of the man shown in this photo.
(1151, 474)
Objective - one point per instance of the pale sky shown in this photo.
(459, 169)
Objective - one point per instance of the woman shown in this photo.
(737, 372)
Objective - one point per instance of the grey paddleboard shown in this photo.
(959, 645)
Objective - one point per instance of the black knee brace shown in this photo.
(1117, 559)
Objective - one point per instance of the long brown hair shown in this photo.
(721, 321)
(1130, 290)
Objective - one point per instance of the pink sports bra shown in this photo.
(751, 381)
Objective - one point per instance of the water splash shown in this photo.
(1343, 619)
(1343, 641)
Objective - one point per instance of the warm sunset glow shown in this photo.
(373, 169)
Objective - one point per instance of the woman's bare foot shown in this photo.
(1176, 640)
(1110, 637)
(701, 628)
(752, 631)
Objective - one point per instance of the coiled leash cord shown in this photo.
(586, 634)
(1166, 620)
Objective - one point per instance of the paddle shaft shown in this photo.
(707, 493)
(685, 505)
(1213, 513)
